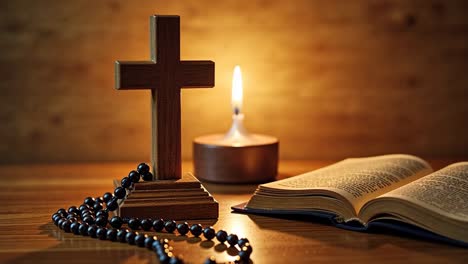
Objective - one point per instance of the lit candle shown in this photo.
(237, 135)
(237, 90)
(237, 156)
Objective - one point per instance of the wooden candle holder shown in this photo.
(217, 162)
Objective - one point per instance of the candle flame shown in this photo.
(237, 90)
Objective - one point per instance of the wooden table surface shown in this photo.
(31, 193)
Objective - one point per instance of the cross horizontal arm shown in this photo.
(193, 74)
(136, 75)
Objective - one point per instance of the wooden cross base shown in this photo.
(182, 199)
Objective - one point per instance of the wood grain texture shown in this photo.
(164, 75)
(30, 193)
(330, 79)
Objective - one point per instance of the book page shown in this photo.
(360, 179)
(444, 191)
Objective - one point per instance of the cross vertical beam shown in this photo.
(165, 103)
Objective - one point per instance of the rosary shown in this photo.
(91, 219)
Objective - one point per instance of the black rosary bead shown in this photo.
(101, 233)
(107, 196)
(120, 192)
(183, 228)
(149, 242)
(116, 222)
(209, 233)
(247, 248)
(62, 211)
(126, 182)
(57, 220)
(101, 221)
(98, 206)
(244, 255)
(72, 215)
(156, 245)
(170, 226)
(89, 219)
(130, 238)
(112, 204)
(147, 176)
(92, 231)
(60, 222)
(111, 234)
(162, 254)
(146, 224)
(221, 235)
(164, 258)
(98, 200)
(74, 228)
(196, 230)
(134, 223)
(232, 239)
(83, 229)
(65, 226)
(83, 207)
(89, 201)
(83, 217)
(56, 215)
(242, 242)
(73, 209)
(134, 176)
(143, 168)
(161, 250)
(102, 213)
(140, 240)
(158, 225)
(121, 235)
(85, 213)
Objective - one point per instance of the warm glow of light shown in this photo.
(236, 100)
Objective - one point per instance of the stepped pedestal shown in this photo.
(182, 199)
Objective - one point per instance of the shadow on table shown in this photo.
(80, 249)
(321, 229)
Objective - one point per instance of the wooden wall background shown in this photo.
(329, 78)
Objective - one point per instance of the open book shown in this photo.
(393, 190)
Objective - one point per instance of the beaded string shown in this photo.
(92, 219)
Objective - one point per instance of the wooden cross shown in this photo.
(165, 74)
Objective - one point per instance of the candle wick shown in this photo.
(236, 110)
